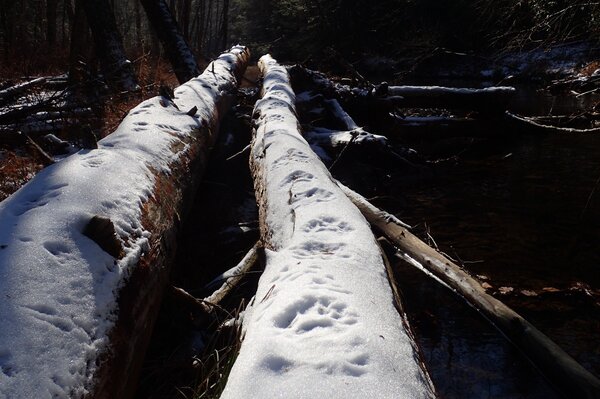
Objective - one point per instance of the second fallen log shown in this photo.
(323, 322)
(491, 99)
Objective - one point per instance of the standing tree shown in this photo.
(176, 48)
(51, 7)
(117, 69)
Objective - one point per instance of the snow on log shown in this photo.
(86, 245)
(323, 322)
(560, 369)
(488, 99)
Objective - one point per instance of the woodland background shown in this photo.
(36, 35)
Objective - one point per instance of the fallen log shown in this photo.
(323, 321)
(560, 369)
(491, 99)
(87, 245)
(10, 92)
(488, 100)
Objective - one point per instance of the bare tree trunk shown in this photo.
(225, 24)
(185, 9)
(79, 44)
(51, 7)
(117, 69)
(174, 44)
(138, 25)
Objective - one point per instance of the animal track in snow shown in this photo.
(168, 127)
(298, 176)
(38, 202)
(273, 118)
(312, 313)
(291, 155)
(56, 248)
(326, 223)
(6, 367)
(317, 249)
(47, 314)
(277, 364)
(93, 160)
(312, 195)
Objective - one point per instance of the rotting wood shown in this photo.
(140, 299)
(559, 368)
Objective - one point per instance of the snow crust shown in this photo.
(59, 288)
(323, 323)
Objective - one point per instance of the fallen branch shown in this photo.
(532, 125)
(234, 276)
(48, 160)
(559, 368)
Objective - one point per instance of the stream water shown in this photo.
(524, 218)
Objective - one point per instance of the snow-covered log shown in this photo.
(489, 99)
(323, 322)
(86, 246)
(560, 369)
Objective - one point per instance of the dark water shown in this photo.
(524, 215)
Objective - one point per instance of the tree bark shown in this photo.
(174, 44)
(108, 43)
(560, 369)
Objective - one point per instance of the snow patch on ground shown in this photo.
(59, 287)
(323, 323)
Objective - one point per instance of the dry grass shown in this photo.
(590, 68)
(18, 165)
(16, 169)
(218, 358)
